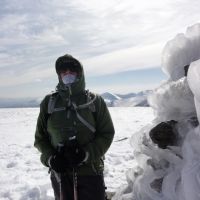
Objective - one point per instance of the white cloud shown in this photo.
(31, 75)
(108, 36)
(123, 89)
(139, 57)
(118, 61)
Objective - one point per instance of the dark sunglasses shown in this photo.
(73, 67)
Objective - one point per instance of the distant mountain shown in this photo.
(126, 96)
(127, 100)
(19, 103)
(111, 99)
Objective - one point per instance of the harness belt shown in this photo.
(88, 125)
(89, 104)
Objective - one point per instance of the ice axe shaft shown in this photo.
(60, 149)
(75, 184)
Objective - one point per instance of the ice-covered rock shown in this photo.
(172, 173)
(173, 101)
(181, 51)
(194, 82)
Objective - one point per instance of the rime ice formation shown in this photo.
(172, 173)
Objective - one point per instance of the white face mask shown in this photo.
(68, 79)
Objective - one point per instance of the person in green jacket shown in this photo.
(74, 130)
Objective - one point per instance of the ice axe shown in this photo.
(60, 149)
(73, 143)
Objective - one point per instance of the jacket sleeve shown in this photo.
(104, 132)
(42, 141)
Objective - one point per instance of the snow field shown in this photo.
(23, 177)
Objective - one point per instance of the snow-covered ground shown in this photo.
(22, 176)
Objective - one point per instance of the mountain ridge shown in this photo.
(111, 99)
(127, 100)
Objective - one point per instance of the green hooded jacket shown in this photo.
(63, 123)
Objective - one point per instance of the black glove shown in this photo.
(75, 156)
(164, 134)
(58, 163)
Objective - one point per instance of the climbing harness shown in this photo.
(72, 105)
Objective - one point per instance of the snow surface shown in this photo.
(133, 101)
(23, 177)
(172, 173)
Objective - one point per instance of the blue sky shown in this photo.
(129, 81)
(119, 43)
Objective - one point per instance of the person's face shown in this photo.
(67, 71)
